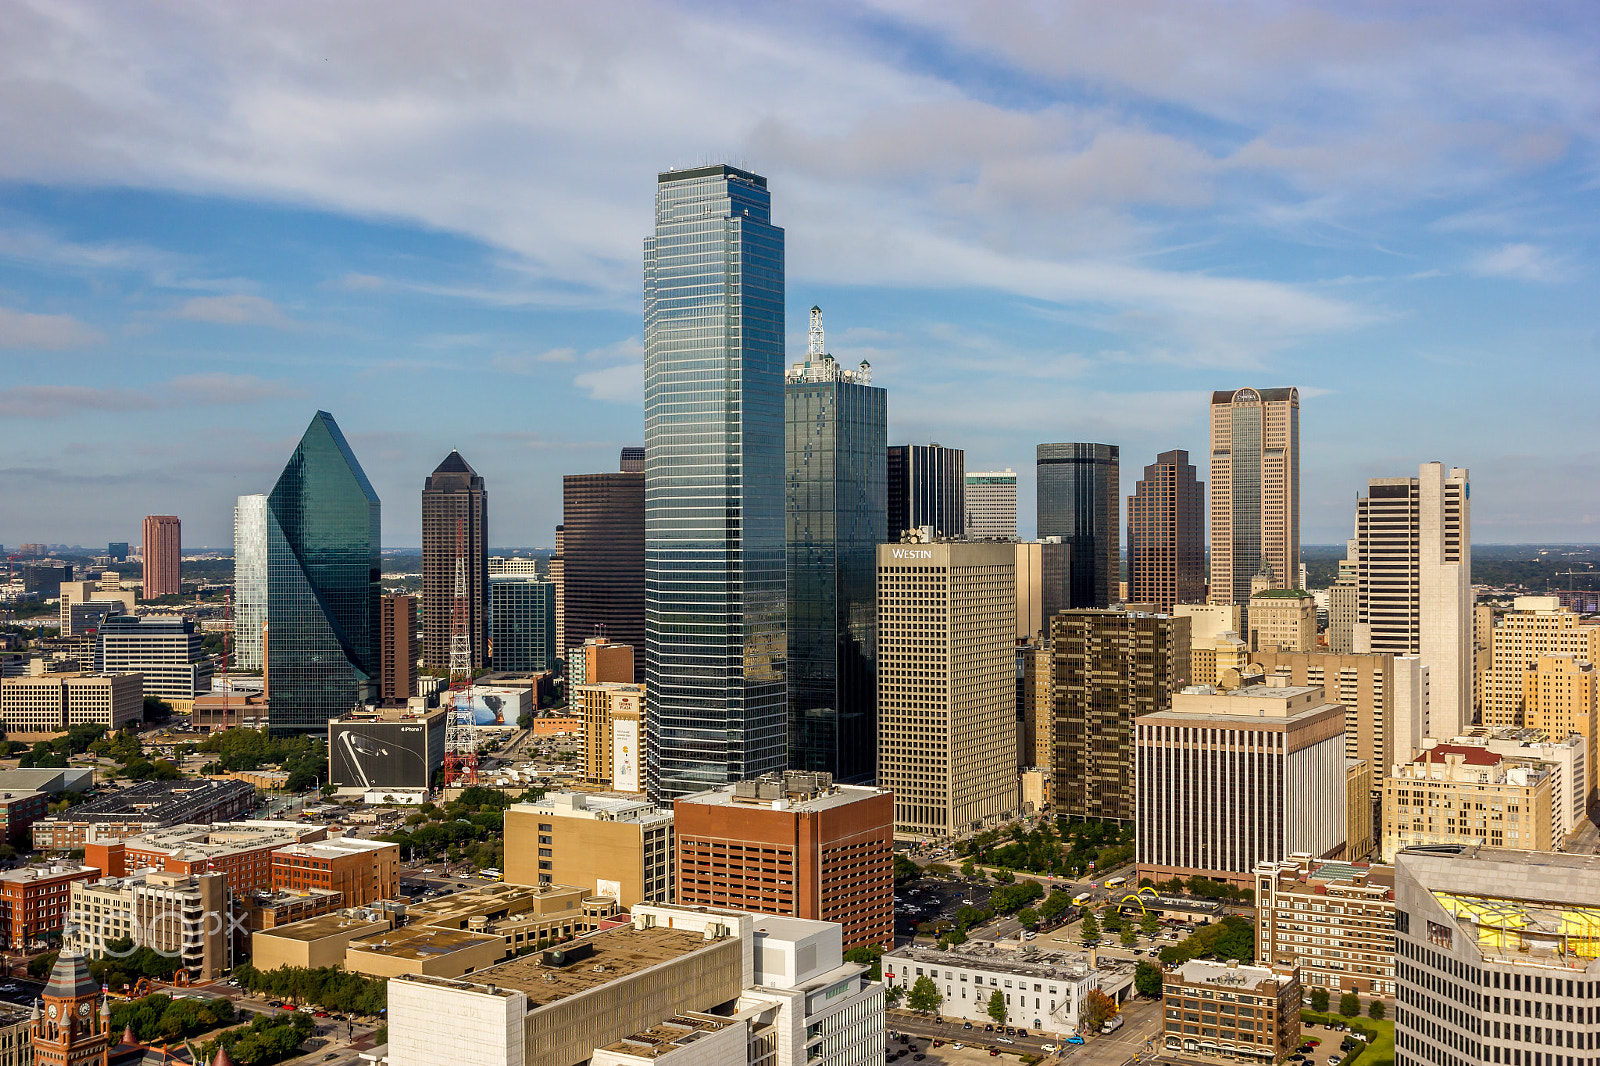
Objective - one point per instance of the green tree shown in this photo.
(1350, 1005)
(1149, 924)
(967, 869)
(1090, 930)
(893, 994)
(1128, 937)
(1147, 979)
(867, 955)
(1028, 917)
(904, 868)
(925, 997)
(1112, 919)
(1375, 1010)
(1319, 1000)
(997, 1007)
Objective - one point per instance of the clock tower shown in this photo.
(73, 1028)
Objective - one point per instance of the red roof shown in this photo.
(1472, 755)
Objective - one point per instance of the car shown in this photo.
(1049, 1048)
(1010, 1031)
(968, 1025)
(1075, 1040)
(330, 1056)
(1004, 1040)
(1022, 1032)
(957, 1046)
(988, 1028)
(904, 1039)
(1334, 1060)
(918, 1057)
(430, 870)
(275, 1003)
(994, 1051)
(938, 1043)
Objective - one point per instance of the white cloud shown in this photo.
(234, 310)
(60, 401)
(19, 329)
(1523, 262)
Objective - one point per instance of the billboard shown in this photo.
(625, 754)
(380, 754)
(493, 705)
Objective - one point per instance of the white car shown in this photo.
(1049, 1048)
(957, 1047)
(1004, 1040)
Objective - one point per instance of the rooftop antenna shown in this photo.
(814, 348)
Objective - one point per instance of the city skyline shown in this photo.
(1077, 239)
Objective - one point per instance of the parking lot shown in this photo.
(927, 899)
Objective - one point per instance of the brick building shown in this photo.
(35, 900)
(364, 871)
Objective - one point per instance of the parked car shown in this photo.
(1049, 1048)
(968, 1025)
(1022, 1032)
(1004, 1040)
(957, 1046)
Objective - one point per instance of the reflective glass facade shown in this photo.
(714, 526)
(835, 449)
(322, 583)
(249, 580)
(1077, 496)
(927, 487)
(522, 622)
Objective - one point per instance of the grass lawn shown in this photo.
(1379, 1050)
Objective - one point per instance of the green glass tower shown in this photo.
(323, 592)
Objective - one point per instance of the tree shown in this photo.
(1112, 919)
(1090, 930)
(867, 955)
(997, 1007)
(905, 869)
(1149, 924)
(892, 995)
(1097, 1009)
(1350, 1005)
(925, 997)
(1319, 1000)
(1375, 1010)
(967, 869)
(1147, 979)
(1028, 917)
(1128, 936)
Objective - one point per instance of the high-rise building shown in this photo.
(927, 486)
(602, 555)
(1035, 700)
(1229, 780)
(1208, 624)
(164, 648)
(714, 540)
(1255, 491)
(1342, 604)
(118, 550)
(1282, 620)
(1422, 798)
(1077, 496)
(1535, 674)
(323, 565)
(558, 577)
(1294, 893)
(75, 594)
(1414, 583)
(598, 660)
(163, 555)
(1167, 534)
(1042, 572)
(792, 843)
(947, 731)
(613, 732)
(249, 580)
(992, 503)
(836, 423)
(522, 622)
(455, 521)
(400, 647)
(620, 848)
(1110, 667)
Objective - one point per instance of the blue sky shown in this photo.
(1040, 222)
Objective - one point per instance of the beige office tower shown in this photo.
(1414, 583)
(1042, 568)
(1283, 620)
(1482, 652)
(1342, 604)
(613, 732)
(947, 684)
(1255, 491)
(1208, 623)
(991, 503)
(1035, 686)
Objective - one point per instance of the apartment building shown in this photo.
(1332, 920)
(1460, 794)
(613, 731)
(1226, 1009)
(242, 850)
(611, 846)
(183, 917)
(36, 899)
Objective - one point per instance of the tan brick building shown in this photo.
(364, 871)
(1333, 920)
(1250, 1013)
(1454, 794)
(608, 845)
(1282, 620)
(613, 732)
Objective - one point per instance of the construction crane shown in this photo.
(460, 746)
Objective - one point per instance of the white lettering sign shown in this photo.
(911, 553)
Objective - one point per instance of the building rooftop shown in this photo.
(424, 943)
(335, 848)
(1281, 594)
(1472, 755)
(597, 808)
(1227, 974)
(44, 872)
(155, 801)
(327, 925)
(223, 838)
(392, 714)
(792, 790)
(1050, 964)
(669, 1035)
(492, 901)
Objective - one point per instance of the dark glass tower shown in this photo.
(1077, 498)
(714, 547)
(454, 502)
(323, 629)
(834, 446)
(1167, 534)
(602, 553)
(927, 487)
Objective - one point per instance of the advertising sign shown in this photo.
(625, 755)
(379, 755)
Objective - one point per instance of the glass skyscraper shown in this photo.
(249, 580)
(1077, 496)
(834, 443)
(714, 526)
(323, 592)
(522, 622)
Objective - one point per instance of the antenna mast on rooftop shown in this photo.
(814, 349)
(460, 747)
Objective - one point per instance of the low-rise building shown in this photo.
(1333, 920)
(35, 900)
(143, 808)
(185, 918)
(363, 871)
(388, 747)
(49, 703)
(1465, 794)
(1043, 991)
(316, 942)
(18, 812)
(269, 908)
(16, 1039)
(1226, 1010)
(242, 850)
(1282, 620)
(613, 846)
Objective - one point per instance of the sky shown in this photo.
(1039, 222)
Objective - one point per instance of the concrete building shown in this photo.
(1167, 534)
(1282, 620)
(1043, 567)
(1042, 991)
(602, 556)
(1465, 794)
(1495, 956)
(1109, 667)
(793, 843)
(1227, 780)
(455, 537)
(620, 848)
(165, 649)
(1255, 491)
(399, 649)
(241, 850)
(388, 747)
(52, 702)
(1036, 680)
(613, 732)
(1076, 499)
(946, 684)
(926, 485)
(183, 917)
(597, 660)
(249, 580)
(363, 871)
(1566, 759)
(1247, 1013)
(1361, 825)
(162, 551)
(36, 899)
(522, 622)
(75, 594)
(992, 504)
(143, 808)
(1414, 583)
(1342, 597)
(1209, 623)
(1332, 920)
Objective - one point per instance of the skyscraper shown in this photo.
(1414, 583)
(714, 547)
(834, 447)
(602, 556)
(400, 647)
(163, 555)
(1255, 491)
(455, 507)
(522, 612)
(991, 503)
(323, 558)
(1077, 496)
(1167, 534)
(249, 579)
(927, 486)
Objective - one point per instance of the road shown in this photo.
(1140, 1032)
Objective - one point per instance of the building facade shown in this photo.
(1332, 920)
(1468, 795)
(620, 848)
(927, 486)
(1044, 993)
(1536, 676)
(183, 918)
(72, 1027)
(249, 580)
(613, 732)
(455, 537)
(35, 900)
(602, 553)
(1282, 620)
(991, 503)
(713, 400)
(1246, 1013)
(163, 555)
(50, 703)
(1167, 534)
(362, 871)
(164, 649)
(522, 622)
(1255, 491)
(400, 647)
(1043, 568)
(1077, 492)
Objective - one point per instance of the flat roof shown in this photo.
(337, 848)
(668, 1035)
(835, 797)
(1207, 972)
(426, 943)
(323, 926)
(1058, 965)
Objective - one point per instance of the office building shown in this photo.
(714, 590)
(516, 564)
(390, 747)
(1207, 623)
(792, 843)
(91, 594)
(1494, 957)
(362, 871)
(620, 848)
(183, 917)
(1361, 813)
(1110, 667)
(50, 703)
(1282, 620)
(36, 899)
(1036, 676)
(557, 572)
(1559, 698)
(926, 486)
(323, 566)
(597, 659)
(1225, 1009)
(1077, 495)
(1465, 794)
(1536, 672)
(455, 554)
(163, 555)
(241, 850)
(835, 432)
(1042, 572)
(522, 620)
(249, 580)
(117, 550)
(602, 555)
(1255, 491)
(992, 504)
(1045, 992)
(1565, 758)
(613, 732)
(1414, 583)
(1332, 920)
(947, 684)
(1228, 780)
(400, 646)
(143, 808)
(1342, 603)
(164, 649)
(1167, 534)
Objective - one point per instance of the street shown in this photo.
(1140, 1031)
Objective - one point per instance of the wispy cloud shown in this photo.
(60, 401)
(234, 310)
(21, 330)
(1523, 262)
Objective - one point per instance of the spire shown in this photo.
(814, 348)
(128, 1039)
(222, 1058)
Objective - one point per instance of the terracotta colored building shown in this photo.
(163, 553)
(364, 871)
(241, 850)
(792, 843)
(399, 649)
(35, 900)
